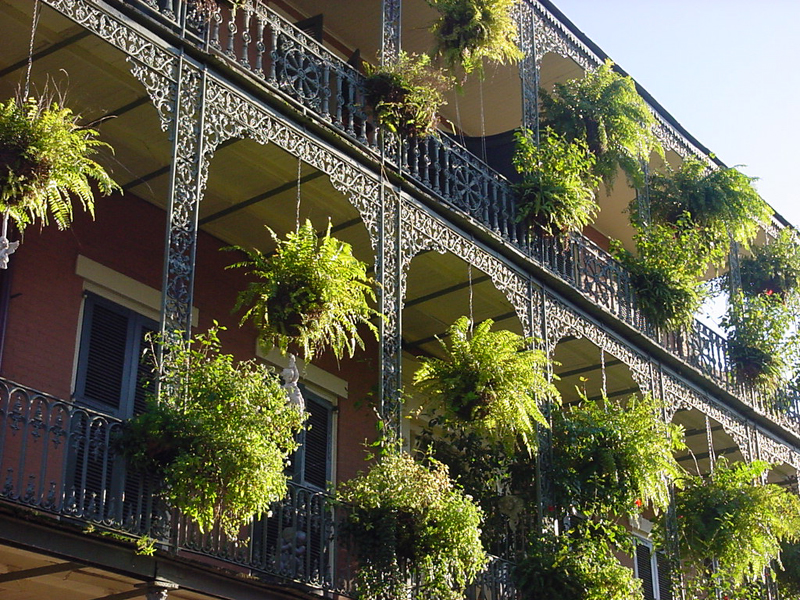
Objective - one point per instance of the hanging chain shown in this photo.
(34, 26)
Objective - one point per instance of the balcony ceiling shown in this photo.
(26, 575)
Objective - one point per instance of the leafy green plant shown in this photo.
(760, 344)
(557, 192)
(787, 573)
(722, 202)
(730, 517)
(46, 164)
(407, 94)
(576, 566)
(666, 275)
(491, 380)
(220, 435)
(312, 292)
(773, 268)
(469, 31)
(410, 521)
(614, 459)
(604, 110)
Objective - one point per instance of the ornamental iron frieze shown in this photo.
(115, 30)
(677, 395)
(562, 321)
(232, 114)
(422, 231)
(551, 36)
(775, 452)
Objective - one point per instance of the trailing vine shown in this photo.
(416, 534)
(219, 436)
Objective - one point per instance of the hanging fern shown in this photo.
(469, 31)
(722, 202)
(605, 110)
(667, 273)
(731, 517)
(490, 380)
(557, 192)
(46, 164)
(312, 292)
(611, 459)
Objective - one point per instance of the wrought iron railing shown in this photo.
(305, 73)
(59, 459)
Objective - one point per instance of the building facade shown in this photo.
(224, 124)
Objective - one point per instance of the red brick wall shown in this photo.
(128, 237)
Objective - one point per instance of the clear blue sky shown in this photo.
(727, 70)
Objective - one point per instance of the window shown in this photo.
(311, 463)
(111, 375)
(111, 378)
(653, 569)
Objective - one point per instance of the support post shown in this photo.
(187, 182)
(390, 42)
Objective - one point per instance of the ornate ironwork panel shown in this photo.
(423, 231)
(563, 321)
(390, 40)
(678, 394)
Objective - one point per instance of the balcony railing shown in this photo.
(304, 72)
(58, 458)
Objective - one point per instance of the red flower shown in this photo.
(638, 503)
(769, 292)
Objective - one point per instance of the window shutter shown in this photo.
(316, 445)
(145, 376)
(644, 570)
(664, 576)
(103, 360)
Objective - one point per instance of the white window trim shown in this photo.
(123, 290)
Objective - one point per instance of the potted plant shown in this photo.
(409, 521)
(760, 347)
(406, 94)
(730, 526)
(219, 435)
(46, 163)
(721, 202)
(666, 273)
(773, 268)
(491, 380)
(311, 292)
(579, 565)
(604, 110)
(614, 459)
(469, 31)
(558, 187)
